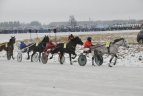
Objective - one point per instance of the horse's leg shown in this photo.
(93, 57)
(32, 55)
(70, 58)
(93, 61)
(28, 55)
(115, 59)
(12, 55)
(111, 60)
(53, 52)
(39, 56)
(61, 55)
(74, 54)
(51, 56)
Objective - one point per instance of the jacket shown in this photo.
(22, 45)
(87, 44)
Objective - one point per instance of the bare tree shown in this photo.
(72, 22)
(35, 23)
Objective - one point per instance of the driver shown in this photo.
(49, 45)
(108, 42)
(22, 45)
(88, 44)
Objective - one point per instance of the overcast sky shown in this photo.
(47, 11)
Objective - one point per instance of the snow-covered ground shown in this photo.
(52, 79)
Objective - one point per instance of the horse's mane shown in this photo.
(10, 40)
(74, 39)
(45, 39)
(116, 40)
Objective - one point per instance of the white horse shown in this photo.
(114, 46)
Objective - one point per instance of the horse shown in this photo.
(30, 48)
(102, 49)
(67, 48)
(8, 47)
(40, 47)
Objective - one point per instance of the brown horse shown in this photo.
(8, 47)
(3, 46)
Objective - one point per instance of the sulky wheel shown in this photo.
(44, 58)
(62, 60)
(19, 57)
(82, 60)
(35, 57)
(99, 60)
(8, 55)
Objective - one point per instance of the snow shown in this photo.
(53, 79)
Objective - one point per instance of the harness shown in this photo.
(65, 45)
(69, 48)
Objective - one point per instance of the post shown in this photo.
(55, 31)
(30, 33)
(37, 33)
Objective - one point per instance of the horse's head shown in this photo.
(78, 40)
(125, 43)
(121, 42)
(46, 39)
(12, 40)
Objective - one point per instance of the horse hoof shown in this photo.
(73, 57)
(109, 66)
(93, 65)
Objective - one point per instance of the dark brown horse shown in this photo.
(69, 48)
(3, 46)
(8, 47)
(39, 48)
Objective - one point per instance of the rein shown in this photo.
(98, 46)
(105, 44)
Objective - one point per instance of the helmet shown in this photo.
(89, 38)
(71, 35)
(21, 41)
